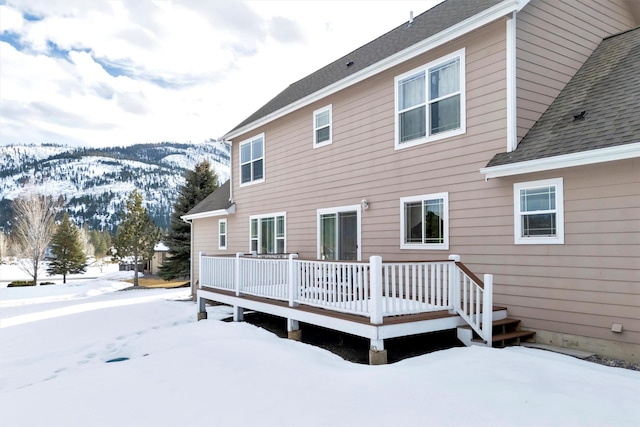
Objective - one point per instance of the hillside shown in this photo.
(95, 182)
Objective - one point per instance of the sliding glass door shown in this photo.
(339, 234)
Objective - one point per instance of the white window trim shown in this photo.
(330, 140)
(264, 162)
(350, 208)
(432, 246)
(517, 223)
(226, 233)
(269, 215)
(463, 109)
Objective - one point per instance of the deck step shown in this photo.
(505, 332)
(512, 335)
(506, 322)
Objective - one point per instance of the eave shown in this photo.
(601, 155)
(473, 23)
(220, 212)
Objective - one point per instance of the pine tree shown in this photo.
(136, 235)
(199, 184)
(66, 248)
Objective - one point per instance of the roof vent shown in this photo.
(349, 64)
(410, 18)
(579, 116)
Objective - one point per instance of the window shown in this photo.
(322, 127)
(539, 212)
(222, 234)
(252, 160)
(425, 221)
(339, 233)
(430, 102)
(267, 234)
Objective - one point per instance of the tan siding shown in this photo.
(205, 239)
(554, 38)
(579, 288)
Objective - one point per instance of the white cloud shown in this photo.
(123, 72)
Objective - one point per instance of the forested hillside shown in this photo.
(95, 182)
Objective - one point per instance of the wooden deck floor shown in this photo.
(392, 326)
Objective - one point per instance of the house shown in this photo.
(160, 253)
(501, 133)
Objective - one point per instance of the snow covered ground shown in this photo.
(55, 342)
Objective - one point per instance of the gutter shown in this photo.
(600, 155)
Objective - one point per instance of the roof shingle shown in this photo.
(607, 89)
(218, 200)
(425, 25)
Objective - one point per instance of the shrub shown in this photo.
(20, 283)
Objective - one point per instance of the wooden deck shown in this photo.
(373, 300)
(391, 327)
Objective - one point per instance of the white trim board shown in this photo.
(601, 155)
(220, 212)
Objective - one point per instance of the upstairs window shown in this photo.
(267, 234)
(430, 102)
(252, 160)
(539, 212)
(322, 127)
(425, 221)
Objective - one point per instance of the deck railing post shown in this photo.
(200, 257)
(237, 273)
(454, 284)
(375, 266)
(487, 308)
(293, 282)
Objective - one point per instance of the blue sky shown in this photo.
(119, 72)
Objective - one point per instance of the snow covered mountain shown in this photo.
(95, 182)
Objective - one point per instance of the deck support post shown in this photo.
(293, 330)
(202, 311)
(377, 353)
(238, 313)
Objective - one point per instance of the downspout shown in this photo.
(193, 288)
(230, 144)
(512, 111)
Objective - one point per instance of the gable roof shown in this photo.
(607, 89)
(216, 203)
(435, 21)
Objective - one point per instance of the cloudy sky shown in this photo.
(118, 72)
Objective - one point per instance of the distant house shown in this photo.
(160, 253)
(506, 132)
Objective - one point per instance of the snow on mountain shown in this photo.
(95, 183)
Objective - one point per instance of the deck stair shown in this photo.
(505, 332)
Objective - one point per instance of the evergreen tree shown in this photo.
(136, 235)
(199, 184)
(101, 241)
(66, 249)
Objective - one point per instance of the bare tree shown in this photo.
(85, 241)
(4, 246)
(34, 225)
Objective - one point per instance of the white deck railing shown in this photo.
(374, 289)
